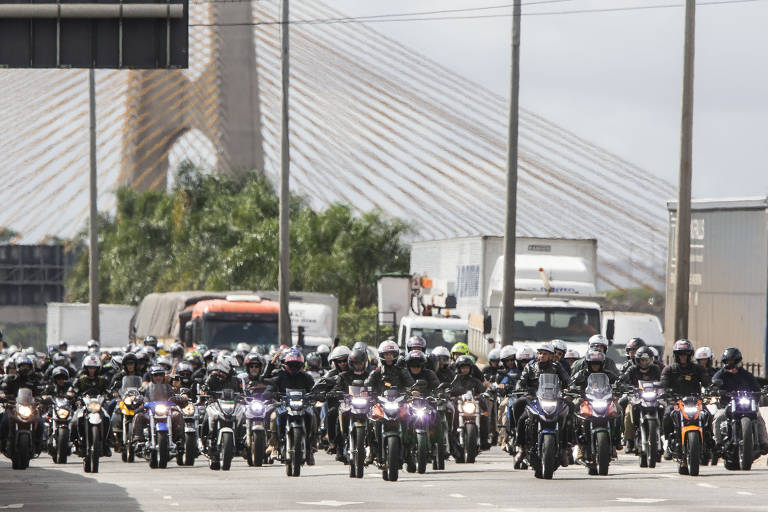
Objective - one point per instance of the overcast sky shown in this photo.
(616, 78)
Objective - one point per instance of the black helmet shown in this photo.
(130, 357)
(150, 341)
(359, 345)
(358, 361)
(60, 373)
(416, 343)
(464, 361)
(60, 360)
(314, 361)
(644, 358)
(177, 350)
(184, 370)
(26, 361)
(634, 344)
(253, 358)
(731, 353)
(416, 358)
(595, 356)
(682, 347)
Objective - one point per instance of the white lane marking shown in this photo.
(641, 500)
(174, 504)
(428, 485)
(745, 493)
(456, 496)
(485, 504)
(13, 505)
(330, 503)
(167, 497)
(669, 476)
(708, 486)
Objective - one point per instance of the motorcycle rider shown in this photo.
(426, 380)
(595, 361)
(644, 370)
(598, 341)
(150, 341)
(338, 360)
(464, 382)
(704, 357)
(254, 382)
(730, 378)
(315, 365)
(90, 380)
(571, 356)
(442, 368)
(198, 368)
(59, 383)
(561, 347)
(683, 377)
(291, 376)
(324, 351)
(329, 412)
(357, 372)
(59, 360)
(633, 345)
(388, 372)
(494, 372)
(529, 382)
(21, 376)
(157, 375)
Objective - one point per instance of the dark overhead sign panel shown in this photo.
(132, 34)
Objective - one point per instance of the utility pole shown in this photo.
(510, 223)
(93, 226)
(683, 238)
(285, 162)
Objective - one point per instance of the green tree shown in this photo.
(220, 232)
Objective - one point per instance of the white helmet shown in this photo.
(508, 351)
(598, 340)
(441, 352)
(340, 352)
(388, 346)
(525, 354)
(703, 353)
(571, 354)
(323, 349)
(494, 355)
(560, 345)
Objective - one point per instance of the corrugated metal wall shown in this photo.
(729, 266)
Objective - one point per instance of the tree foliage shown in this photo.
(220, 232)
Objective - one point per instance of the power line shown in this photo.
(385, 18)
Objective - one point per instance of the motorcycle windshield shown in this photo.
(24, 397)
(356, 390)
(598, 386)
(549, 387)
(294, 394)
(158, 393)
(130, 382)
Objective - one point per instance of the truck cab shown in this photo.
(223, 323)
(437, 331)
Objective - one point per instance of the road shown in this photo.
(490, 484)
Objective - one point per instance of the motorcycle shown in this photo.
(386, 415)
(159, 445)
(60, 413)
(256, 426)
(295, 408)
(223, 414)
(468, 427)
(189, 451)
(596, 416)
(425, 429)
(22, 423)
(131, 401)
(543, 430)
(92, 424)
(691, 418)
(741, 446)
(647, 432)
(356, 405)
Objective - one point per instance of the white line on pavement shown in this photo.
(708, 486)
(457, 496)
(641, 500)
(745, 493)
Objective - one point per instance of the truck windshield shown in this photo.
(226, 334)
(545, 324)
(440, 337)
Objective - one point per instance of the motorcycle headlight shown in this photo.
(359, 402)
(469, 407)
(189, 409)
(420, 412)
(296, 403)
(691, 410)
(94, 407)
(161, 409)
(548, 404)
(649, 395)
(391, 407)
(257, 406)
(62, 413)
(24, 411)
(599, 405)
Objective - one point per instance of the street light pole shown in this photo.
(93, 223)
(510, 223)
(683, 238)
(285, 162)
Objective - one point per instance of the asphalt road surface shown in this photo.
(490, 484)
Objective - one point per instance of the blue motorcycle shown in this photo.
(159, 446)
(545, 426)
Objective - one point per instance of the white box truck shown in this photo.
(71, 322)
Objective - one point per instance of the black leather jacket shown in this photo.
(392, 375)
(529, 379)
(685, 380)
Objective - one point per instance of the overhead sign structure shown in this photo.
(130, 34)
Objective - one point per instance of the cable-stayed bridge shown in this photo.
(373, 123)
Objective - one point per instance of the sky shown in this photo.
(616, 78)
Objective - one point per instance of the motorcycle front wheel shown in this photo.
(548, 456)
(393, 458)
(258, 447)
(227, 450)
(603, 445)
(422, 452)
(162, 450)
(746, 445)
(62, 446)
(470, 442)
(693, 452)
(22, 453)
(94, 451)
(298, 453)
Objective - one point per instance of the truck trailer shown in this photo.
(728, 301)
